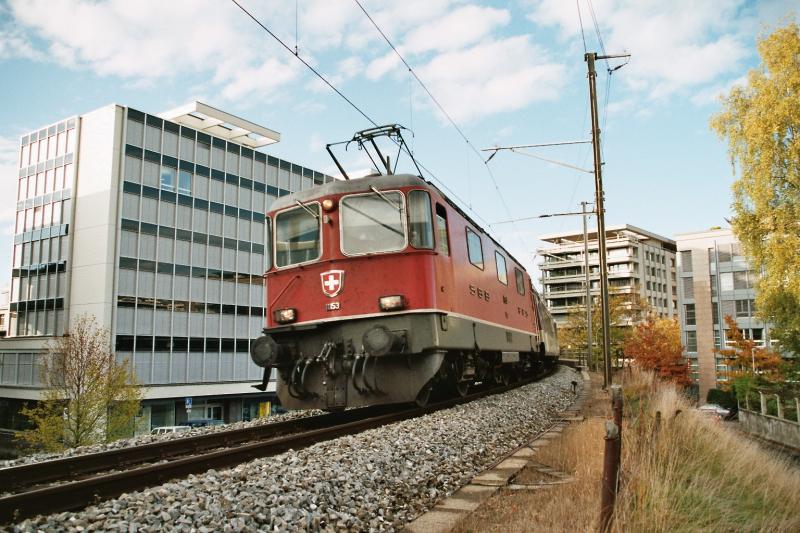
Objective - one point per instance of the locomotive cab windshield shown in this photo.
(373, 222)
(298, 236)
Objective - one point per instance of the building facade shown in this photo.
(715, 280)
(154, 225)
(639, 263)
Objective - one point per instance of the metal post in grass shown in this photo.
(763, 402)
(611, 460)
(780, 405)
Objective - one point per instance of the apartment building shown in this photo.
(714, 280)
(639, 262)
(153, 224)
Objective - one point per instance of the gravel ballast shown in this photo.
(377, 480)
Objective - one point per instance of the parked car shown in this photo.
(714, 410)
(202, 422)
(169, 429)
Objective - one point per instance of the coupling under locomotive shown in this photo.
(380, 290)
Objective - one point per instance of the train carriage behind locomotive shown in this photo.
(380, 289)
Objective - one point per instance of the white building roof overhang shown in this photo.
(218, 123)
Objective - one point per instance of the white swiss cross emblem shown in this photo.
(332, 282)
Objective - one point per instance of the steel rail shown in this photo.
(28, 475)
(78, 494)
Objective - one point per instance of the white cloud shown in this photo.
(676, 46)
(148, 40)
(712, 94)
(381, 66)
(492, 77)
(457, 29)
(455, 45)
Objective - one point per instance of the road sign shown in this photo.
(188, 404)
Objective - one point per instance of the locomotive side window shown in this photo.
(420, 220)
(520, 281)
(297, 235)
(502, 273)
(373, 223)
(441, 229)
(474, 249)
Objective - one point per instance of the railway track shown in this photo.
(108, 474)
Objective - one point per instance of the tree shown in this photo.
(88, 397)
(655, 344)
(744, 358)
(623, 310)
(761, 122)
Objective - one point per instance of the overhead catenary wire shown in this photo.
(352, 104)
(311, 68)
(440, 107)
(597, 30)
(580, 20)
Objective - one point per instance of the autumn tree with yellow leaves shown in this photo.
(761, 122)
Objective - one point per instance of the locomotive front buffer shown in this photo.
(330, 366)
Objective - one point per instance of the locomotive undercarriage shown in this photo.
(395, 359)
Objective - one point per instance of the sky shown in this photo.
(507, 73)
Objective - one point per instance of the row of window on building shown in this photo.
(188, 145)
(202, 218)
(755, 334)
(48, 143)
(33, 188)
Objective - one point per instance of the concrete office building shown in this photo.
(715, 280)
(155, 225)
(4, 312)
(639, 262)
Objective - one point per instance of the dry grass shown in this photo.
(694, 474)
(568, 507)
(691, 474)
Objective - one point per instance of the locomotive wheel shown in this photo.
(424, 395)
(462, 388)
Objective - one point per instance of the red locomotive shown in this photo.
(380, 290)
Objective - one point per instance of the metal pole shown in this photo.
(612, 456)
(590, 58)
(588, 289)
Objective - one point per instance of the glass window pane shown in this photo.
(372, 223)
(419, 217)
(170, 144)
(168, 178)
(520, 281)
(185, 182)
(297, 235)
(474, 249)
(502, 273)
(153, 138)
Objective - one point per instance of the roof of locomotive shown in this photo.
(385, 181)
(336, 187)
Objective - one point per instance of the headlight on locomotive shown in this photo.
(392, 303)
(284, 316)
